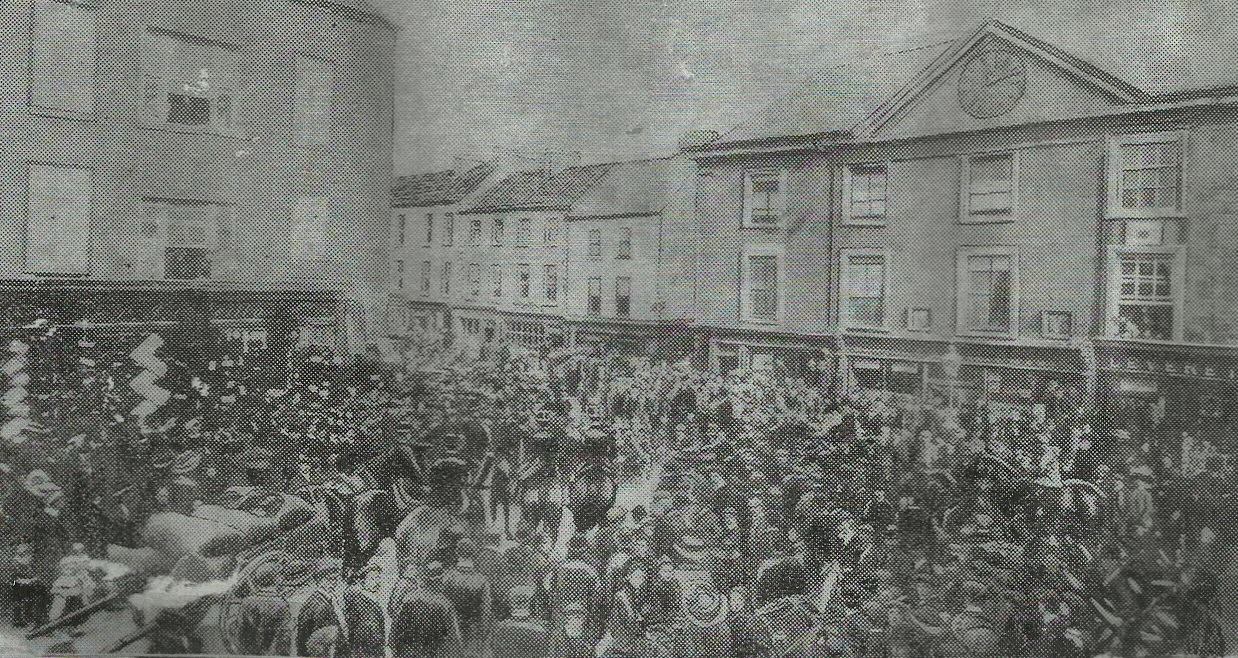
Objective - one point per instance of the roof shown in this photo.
(836, 99)
(540, 189)
(840, 98)
(438, 188)
(642, 187)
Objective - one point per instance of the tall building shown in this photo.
(985, 217)
(223, 162)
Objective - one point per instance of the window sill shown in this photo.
(760, 322)
(866, 330)
(988, 335)
(234, 133)
(988, 220)
(71, 115)
(1167, 213)
(865, 221)
(761, 227)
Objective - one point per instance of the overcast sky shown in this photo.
(619, 79)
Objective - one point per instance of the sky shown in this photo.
(623, 79)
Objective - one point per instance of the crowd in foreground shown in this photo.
(756, 515)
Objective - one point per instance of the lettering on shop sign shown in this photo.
(1171, 367)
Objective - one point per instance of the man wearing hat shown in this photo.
(1139, 508)
(522, 635)
(426, 623)
(703, 630)
(470, 592)
(29, 592)
(577, 583)
(365, 616)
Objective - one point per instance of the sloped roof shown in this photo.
(438, 188)
(839, 98)
(641, 187)
(540, 189)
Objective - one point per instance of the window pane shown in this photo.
(992, 173)
(765, 304)
(764, 271)
(866, 311)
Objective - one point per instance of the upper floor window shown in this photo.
(863, 289)
(865, 193)
(625, 244)
(623, 296)
(449, 229)
(551, 275)
(551, 231)
(761, 283)
(399, 273)
(496, 279)
(58, 222)
(62, 58)
(990, 187)
(524, 280)
(426, 267)
(595, 295)
(183, 237)
(310, 219)
(401, 228)
(475, 279)
(1146, 294)
(445, 283)
(311, 110)
(475, 231)
(496, 232)
(524, 232)
(1145, 175)
(764, 198)
(988, 290)
(190, 82)
(429, 228)
(595, 244)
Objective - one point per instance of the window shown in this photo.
(309, 229)
(189, 82)
(1145, 303)
(475, 231)
(551, 231)
(401, 227)
(760, 298)
(988, 290)
(496, 278)
(919, 319)
(595, 295)
(524, 232)
(1145, 175)
(449, 229)
(595, 244)
(1055, 325)
(426, 268)
(496, 232)
(311, 110)
(429, 228)
(623, 296)
(551, 274)
(399, 273)
(188, 233)
(475, 279)
(991, 184)
(62, 58)
(764, 199)
(865, 193)
(863, 287)
(445, 283)
(58, 223)
(524, 278)
(625, 244)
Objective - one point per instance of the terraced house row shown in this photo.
(990, 215)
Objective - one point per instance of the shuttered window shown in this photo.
(62, 63)
(312, 105)
(58, 221)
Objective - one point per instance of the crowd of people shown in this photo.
(722, 514)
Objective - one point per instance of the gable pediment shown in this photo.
(998, 77)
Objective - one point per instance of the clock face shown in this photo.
(992, 82)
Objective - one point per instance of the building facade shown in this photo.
(990, 216)
(631, 252)
(198, 159)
